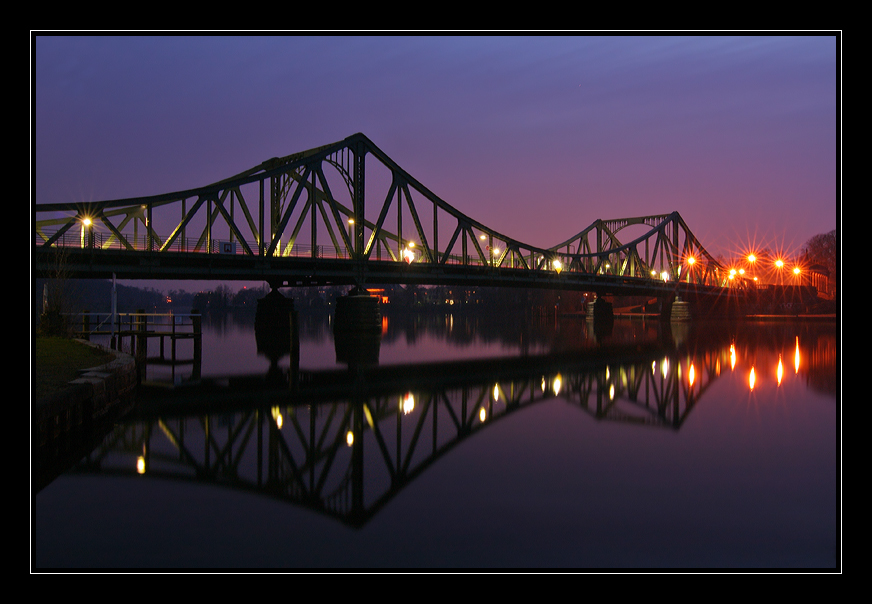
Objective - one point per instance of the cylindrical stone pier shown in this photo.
(357, 328)
(276, 331)
(600, 310)
(680, 311)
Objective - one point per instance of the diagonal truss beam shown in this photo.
(339, 226)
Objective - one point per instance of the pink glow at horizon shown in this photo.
(535, 136)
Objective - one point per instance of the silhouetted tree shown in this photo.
(823, 249)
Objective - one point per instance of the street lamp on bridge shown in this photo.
(86, 226)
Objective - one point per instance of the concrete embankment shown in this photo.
(98, 392)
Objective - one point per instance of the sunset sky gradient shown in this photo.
(536, 136)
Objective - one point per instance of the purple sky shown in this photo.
(535, 136)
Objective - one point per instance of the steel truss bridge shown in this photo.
(346, 213)
(308, 445)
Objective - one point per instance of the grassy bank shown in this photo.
(57, 361)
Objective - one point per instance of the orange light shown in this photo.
(796, 356)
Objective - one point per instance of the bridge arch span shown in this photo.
(287, 220)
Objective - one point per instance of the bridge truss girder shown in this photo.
(325, 203)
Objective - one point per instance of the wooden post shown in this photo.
(141, 342)
(197, 323)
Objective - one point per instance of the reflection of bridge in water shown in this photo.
(346, 442)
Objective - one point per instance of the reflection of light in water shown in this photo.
(732, 356)
(664, 368)
(277, 416)
(482, 415)
(543, 383)
(496, 392)
(691, 374)
(140, 465)
(407, 403)
(796, 356)
(780, 371)
(752, 378)
(611, 392)
(349, 438)
(556, 385)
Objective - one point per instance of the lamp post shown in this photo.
(86, 227)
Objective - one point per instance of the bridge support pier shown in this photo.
(680, 310)
(600, 310)
(357, 328)
(277, 333)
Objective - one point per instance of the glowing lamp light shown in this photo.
(140, 465)
(796, 270)
(752, 258)
(558, 266)
(86, 225)
(796, 356)
(408, 254)
(752, 378)
(691, 261)
(349, 438)
(482, 415)
(407, 403)
(779, 263)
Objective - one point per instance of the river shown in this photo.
(466, 441)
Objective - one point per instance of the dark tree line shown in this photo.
(823, 249)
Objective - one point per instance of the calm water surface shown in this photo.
(640, 446)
